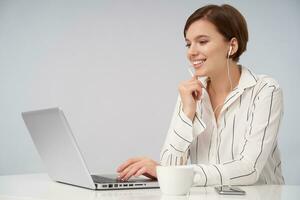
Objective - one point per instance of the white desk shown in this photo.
(39, 186)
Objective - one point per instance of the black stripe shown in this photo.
(197, 150)
(218, 153)
(219, 174)
(226, 163)
(252, 75)
(249, 131)
(232, 161)
(262, 138)
(181, 117)
(204, 175)
(232, 138)
(241, 100)
(163, 154)
(181, 136)
(274, 150)
(176, 160)
(199, 120)
(254, 107)
(275, 139)
(201, 112)
(185, 121)
(250, 103)
(262, 142)
(250, 123)
(277, 166)
(259, 91)
(230, 98)
(209, 146)
(225, 118)
(171, 160)
(168, 160)
(176, 149)
(181, 160)
(188, 153)
(220, 136)
(179, 108)
(244, 147)
(243, 175)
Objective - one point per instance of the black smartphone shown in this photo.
(228, 190)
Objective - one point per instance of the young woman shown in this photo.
(226, 119)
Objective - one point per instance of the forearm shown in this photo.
(180, 136)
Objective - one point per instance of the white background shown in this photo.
(114, 67)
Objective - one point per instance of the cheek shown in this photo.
(217, 54)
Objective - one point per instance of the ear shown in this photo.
(234, 45)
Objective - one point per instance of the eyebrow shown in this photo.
(198, 37)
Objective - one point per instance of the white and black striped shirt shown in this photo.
(241, 148)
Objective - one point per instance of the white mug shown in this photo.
(175, 180)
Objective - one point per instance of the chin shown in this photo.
(200, 72)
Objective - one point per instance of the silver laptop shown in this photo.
(61, 155)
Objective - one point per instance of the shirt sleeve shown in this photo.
(181, 134)
(267, 111)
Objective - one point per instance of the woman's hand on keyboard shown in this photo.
(136, 167)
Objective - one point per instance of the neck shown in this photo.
(220, 84)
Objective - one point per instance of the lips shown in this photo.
(198, 63)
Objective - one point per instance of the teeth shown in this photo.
(196, 62)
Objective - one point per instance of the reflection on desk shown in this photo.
(39, 186)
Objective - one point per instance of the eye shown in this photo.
(203, 42)
(187, 45)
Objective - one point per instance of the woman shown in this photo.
(226, 119)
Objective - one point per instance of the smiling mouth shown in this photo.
(198, 63)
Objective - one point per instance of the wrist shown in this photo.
(190, 114)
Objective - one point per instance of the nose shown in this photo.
(193, 51)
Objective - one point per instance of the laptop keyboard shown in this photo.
(102, 179)
(111, 182)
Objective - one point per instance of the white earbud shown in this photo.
(229, 53)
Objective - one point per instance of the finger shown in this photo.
(199, 89)
(195, 80)
(127, 163)
(196, 83)
(148, 172)
(195, 87)
(150, 175)
(130, 173)
(126, 172)
(199, 83)
(196, 91)
(194, 77)
(141, 171)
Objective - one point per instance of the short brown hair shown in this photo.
(228, 21)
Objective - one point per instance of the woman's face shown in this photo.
(207, 48)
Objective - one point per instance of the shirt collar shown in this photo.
(204, 80)
(247, 79)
